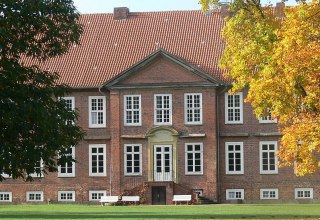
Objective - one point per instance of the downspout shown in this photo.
(110, 171)
(218, 142)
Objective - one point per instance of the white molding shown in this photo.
(10, 196)
(186, 108)
(104, 159)
(125, 110)
(132, 153)
(275, 143)
(103, 125)
(235, 191)
(67, 200)
(34, 192)
(269, 190)
(193, 152)
(296, 190)
(73, 174)
(240, 94)
(227, 157)
(155, 109)
(96, 191)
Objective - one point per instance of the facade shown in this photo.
(159, 120)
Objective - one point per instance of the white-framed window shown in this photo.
(95, 195)
(267, 119)
(198, 191)
(268, 157)
(193, 108)
(34, 196)
(132, 110)
(70, 104)
(234, 194)
(303, 193)
(269, 194)
(234, 158)
(66, 196)
(162, 109)
(97, 160)
(5, 196)
(97, 111)
(38, 169)
(234, 108)
(194, 158)
(132, 159)
(68, 169)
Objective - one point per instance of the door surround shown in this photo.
(162, 135)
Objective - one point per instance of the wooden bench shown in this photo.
(109, 199)
(134, 199)
(181, 198)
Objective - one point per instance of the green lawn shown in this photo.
(241, 211)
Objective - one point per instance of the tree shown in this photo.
(33, 119)
(278, 60)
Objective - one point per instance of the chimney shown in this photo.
(120, 13)
(224, 10)
(279, 10)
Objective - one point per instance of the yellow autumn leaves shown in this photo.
(278, 60)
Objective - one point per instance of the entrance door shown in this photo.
(158, 195)
(162, 162)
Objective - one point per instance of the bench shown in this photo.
(130, 199)
(181, 198)
(109, 199)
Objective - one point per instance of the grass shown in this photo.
(239, 211)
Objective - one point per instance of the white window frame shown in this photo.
(73, 174)
(227, 144)
(132, 154)
(162, 109)
(72, 99)
(193, 152)
(67, 192)
(240, 108)
(268, 191)
(132, 110)
(275, 143)
(104, 173)
(91, 192)
(103, 111)
(8, 193)
(304, 190)
(34, 192)
(267, 119)
(192, 108)
(41, 174)
(228, 191)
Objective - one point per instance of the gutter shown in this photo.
(218, 141)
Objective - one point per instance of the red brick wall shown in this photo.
(252, 181)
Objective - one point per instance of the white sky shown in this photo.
(107, 6)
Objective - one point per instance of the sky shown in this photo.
(107, 6)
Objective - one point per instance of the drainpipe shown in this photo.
(110, 171)
(218, 141)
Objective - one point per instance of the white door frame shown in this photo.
(162, 161)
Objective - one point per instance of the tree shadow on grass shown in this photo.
(142, 215)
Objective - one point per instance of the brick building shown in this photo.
(159, 120)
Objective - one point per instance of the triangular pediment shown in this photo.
(162, 69)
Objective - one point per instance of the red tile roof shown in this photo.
(108, 46)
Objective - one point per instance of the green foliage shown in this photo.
(32, 117)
